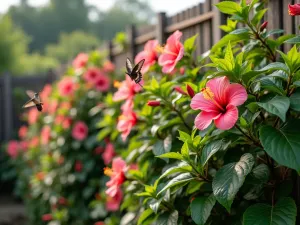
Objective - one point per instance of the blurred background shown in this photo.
(36, 35)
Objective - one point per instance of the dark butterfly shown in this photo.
(135, 72)
(34, 101)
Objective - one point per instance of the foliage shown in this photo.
(207, 151)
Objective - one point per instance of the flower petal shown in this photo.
(199, 102)
(227, 120)
(236, 94)
(218, 86)
(118, 165)
(203, 120)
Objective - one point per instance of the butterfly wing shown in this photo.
(138, 67)
(128, 66)
(30, 93)
(29, 103)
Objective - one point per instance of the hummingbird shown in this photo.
(35, 100)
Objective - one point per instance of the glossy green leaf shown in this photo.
(283, 145)
(229, 7)
(209, 150)
(294, 40)
(181, 167)
(144, 216)
(167, 218)
(295, 101)
(185, 150)
(275, 66)
(258, 16)
(230, 178)
(171, 155)
(189, 43)
(278, 106)
(283, 213)
(232, 38)
(180, 179)
(201, 208)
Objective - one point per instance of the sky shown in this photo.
(168, 6)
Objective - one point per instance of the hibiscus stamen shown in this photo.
(159, 48)
(108, 171)
(209, 95)
(117, 84)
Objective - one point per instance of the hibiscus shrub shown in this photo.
(212, 140)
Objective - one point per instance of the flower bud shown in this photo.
(263, 26)
(179, 90)
(153, 103)
(190, 91)
(47, 217)
(182, 70)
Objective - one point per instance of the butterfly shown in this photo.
(34, 101)
(135, 72)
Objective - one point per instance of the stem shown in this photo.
(273, 56)
(181, 117)
(249, 137)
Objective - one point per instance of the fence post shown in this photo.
(218, 20)
(131, 41)
(160, 27)
(7, 89)
(110, 51)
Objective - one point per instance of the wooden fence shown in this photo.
(11, 105)
(203, 19)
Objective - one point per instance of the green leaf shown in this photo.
(295, 101)
(209, 150)
(181, 179)
(228, 7)
(185, 150)
(181, 167)
(258, 16)
(154, 84)
(184, 136)
(275, 31)
(240, 31)
(283, 145)
(275, 66)
(229, 57)
(283, 213)
(171, 155)
(278, 106)
(167, 218)
(201, 208)
(261, 172)
(230, 178)
(189, 43)
(161, 147)
(294, 40)
(144, 216)
(272, 84)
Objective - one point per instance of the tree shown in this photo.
(70, 44)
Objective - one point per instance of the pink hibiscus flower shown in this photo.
(109, 153)
(149, 54)
(79, 131)
(294, 10)
(108, 66)
(171, 53)
(45, 135)
(102, 83)
(218, 102)
(126, 122)
(113, 203)
(23, 132)
(13, 149)
(66, 86)
(33, 116)
(91, 74)
(117, 176)
(80, 60)
(127, 89)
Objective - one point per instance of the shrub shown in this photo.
(202, 142)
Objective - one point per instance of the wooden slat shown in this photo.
(190, 22)
(207, 32)
(199, 31)
(288, 23)
(145, 37)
